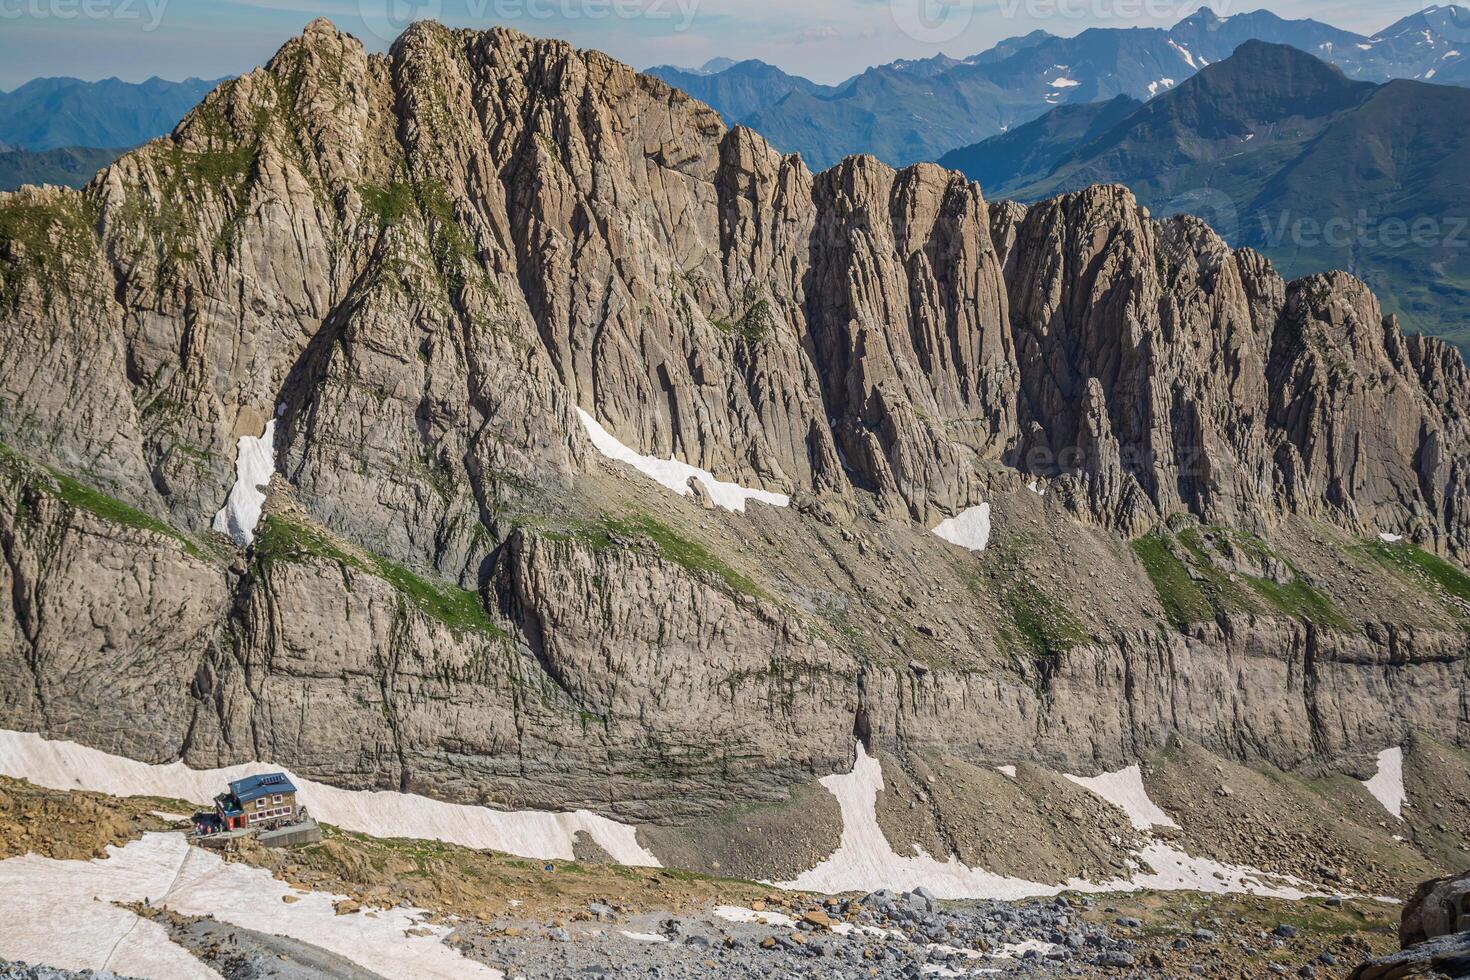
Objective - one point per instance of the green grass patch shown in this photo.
(1183, 599)
(280, 540)
(1299, 600)
(1193, 588)
(388, 205)
(1043, 623)
(1419, 566)
(670, 545)
(40, 238)
(80, 496)
(754, 321)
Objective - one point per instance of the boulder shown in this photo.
(1440, 907)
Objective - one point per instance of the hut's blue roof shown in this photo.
(254, 787)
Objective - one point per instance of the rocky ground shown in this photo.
(74, 826)
(884, 934)
(15, 970)
(244, 954)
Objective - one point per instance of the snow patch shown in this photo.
(864, 860)
(61, 913)
(1387, 784)
(674, 474)
(1184, 53)
(1176, 871)
(1006, 771)
(643, 937)
(1035, 487)
(1163, 84)
(736, 913)
(970, 529)
(255, 462)
(1010, 951)
(1065, 83)
(527, 833)
(1387, 538)
(1124, 789)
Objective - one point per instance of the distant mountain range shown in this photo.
(70, 166)
(907, 111)
(1282, 152)
(63, 130)
(47, 113)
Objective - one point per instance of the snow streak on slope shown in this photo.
(1387, 784)
(970, 529)
(674, 474)
(61, 913)
(1124, 790)
(865, 861)
(527, 833)
(255, 461)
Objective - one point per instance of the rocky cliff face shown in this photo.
(421, 265)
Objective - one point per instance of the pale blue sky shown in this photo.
(823, 39)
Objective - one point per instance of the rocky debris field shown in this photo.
(15, 970)
(245, 954)
(909, 934)
(72, 826)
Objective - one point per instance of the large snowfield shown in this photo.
(970, 529)
(526, 833)
(1387, 784)
(64, 914)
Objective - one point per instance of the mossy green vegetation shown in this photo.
(81, 496)
(388, 205)
(754, 321)
(40, 235)
(669, 544)
(1046, 626)
(1444, 578)
(451, 249)
(1300, 601)
(278, 539)
(1183, 599)
(1193, 587)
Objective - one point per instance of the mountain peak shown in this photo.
(320, 26)
(1255, 55)
(1206, 15)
